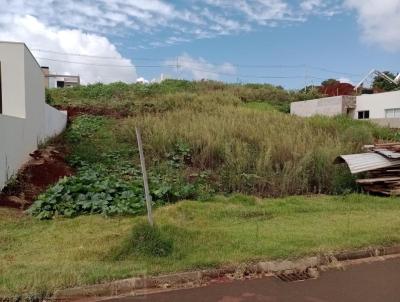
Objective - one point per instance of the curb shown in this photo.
(198, 278)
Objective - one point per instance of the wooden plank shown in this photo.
(375, 180)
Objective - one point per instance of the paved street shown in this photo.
(371, 282)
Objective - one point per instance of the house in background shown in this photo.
(59, 80)
(25, 119)
(380, 108)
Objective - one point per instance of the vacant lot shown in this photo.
(200, 138)
(202, 141)
(41, 256)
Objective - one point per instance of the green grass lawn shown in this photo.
(42, 256)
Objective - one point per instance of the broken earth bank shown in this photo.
(45, 168)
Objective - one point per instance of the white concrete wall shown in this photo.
(27, 120)
(377, 103)
(55, 121)
(12, 152)
(12, 70)
(387, 122)
(325, 106)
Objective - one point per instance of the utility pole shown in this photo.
(144, 173)
(177, 67)
(306, 77)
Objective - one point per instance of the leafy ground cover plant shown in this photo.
(95, 189)
(91, 191)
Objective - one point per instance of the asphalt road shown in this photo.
(378, 281)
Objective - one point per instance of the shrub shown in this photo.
(146, 240)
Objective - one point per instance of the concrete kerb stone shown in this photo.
(302, 264)
(128, 285)
(131, 285)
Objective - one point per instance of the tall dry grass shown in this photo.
(266, 153)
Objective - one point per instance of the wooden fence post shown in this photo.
(144, 173)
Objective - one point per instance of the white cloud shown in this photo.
(309, 5)
(199, 68)
(379, 21)
(143, 19)
(259, 11)
(35, 34)
(90, 15)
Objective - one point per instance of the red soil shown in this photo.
(46, 167)
(76, 111)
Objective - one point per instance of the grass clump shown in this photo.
(146, 240)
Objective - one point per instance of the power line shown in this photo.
(258, 66)
(174, 66)
(192, 68)
(74, 54)
(251, 76)
(92, 56)
(104, 65)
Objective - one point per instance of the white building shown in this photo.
(25, 118)
(381, 108)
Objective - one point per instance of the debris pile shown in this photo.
(381, 165)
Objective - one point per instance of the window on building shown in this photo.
(392, 113)
(363, 115)
(1, 94)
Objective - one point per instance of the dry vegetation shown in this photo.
(235, 133)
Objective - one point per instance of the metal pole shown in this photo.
(144, 173)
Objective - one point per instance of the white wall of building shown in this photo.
(377, 103)
(12, 70)
(26, 120)
(55, 121)
(330, 106)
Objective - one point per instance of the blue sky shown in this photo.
(283, 42)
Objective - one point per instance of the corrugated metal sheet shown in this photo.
(366, 162)
(387, 153)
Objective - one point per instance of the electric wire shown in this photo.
(183, 60)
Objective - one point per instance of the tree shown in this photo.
(383, 84)
(329, 82)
